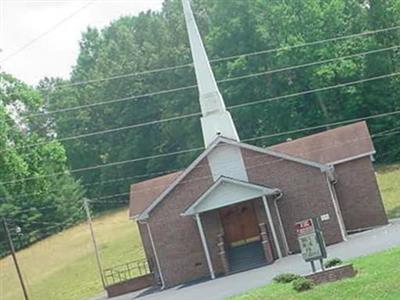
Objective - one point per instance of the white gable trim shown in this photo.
(258, 191)
(145, 214)
(352, 158)
(282, 155)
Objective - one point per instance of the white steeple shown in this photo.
(216, 120)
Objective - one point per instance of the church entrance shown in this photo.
(242, 236)
(239, 222)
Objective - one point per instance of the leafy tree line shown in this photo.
(33, 208)
(134, 44)
(157, 39)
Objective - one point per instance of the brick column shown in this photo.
(266, 244)
(222, 253)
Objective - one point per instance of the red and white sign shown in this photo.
(305, 227)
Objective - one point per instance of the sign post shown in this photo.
(311, 240)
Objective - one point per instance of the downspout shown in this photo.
(271, 224)
(155, 253)
(285, 243)
(336, 206)
(205, 246)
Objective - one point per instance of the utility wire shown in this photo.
(160, 173)
(284, 48)
(325, 125)
(207, 176)
(162, 155)
(181, 117)
(174, 90)
(96, 200)
(378, 135)
(340, 85)
(19, 50)
(68, 221)
(99, 199)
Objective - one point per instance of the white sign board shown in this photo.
(310, 249)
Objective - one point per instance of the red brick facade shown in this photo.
(332, 274)
(305, 193)
(177, 239)
(130, 285)
(358, 195)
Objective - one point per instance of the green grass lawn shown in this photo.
(63, 266)
(378, 278)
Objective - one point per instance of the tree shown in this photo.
(28, 198)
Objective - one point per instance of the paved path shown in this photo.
(360, 244)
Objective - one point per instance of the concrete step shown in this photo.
(246, 257)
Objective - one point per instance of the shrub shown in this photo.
(333, 262)
(303, 284)
(286, 278)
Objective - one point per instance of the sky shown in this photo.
(40, 38)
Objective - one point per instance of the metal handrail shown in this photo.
(127, 271)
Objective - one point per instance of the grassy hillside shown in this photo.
(389, 185)
(63, 267)
(377, 278)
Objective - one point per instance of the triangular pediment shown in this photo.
(228, 191)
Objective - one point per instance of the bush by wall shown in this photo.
(302, 284)
(286, 278)
(333, 262)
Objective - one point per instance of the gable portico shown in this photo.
(243, 217)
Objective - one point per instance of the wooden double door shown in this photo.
(240, 224)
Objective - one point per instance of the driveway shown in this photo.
(360, 244)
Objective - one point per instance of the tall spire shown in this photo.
(216, 119)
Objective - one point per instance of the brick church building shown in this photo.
(234, 207)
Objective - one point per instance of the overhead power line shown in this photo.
(332, 87)
(162, 155)
(181, 117)
(189, 87)
(51, 29)
(284, 48)
(100, 200)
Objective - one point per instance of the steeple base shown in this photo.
(218, 124)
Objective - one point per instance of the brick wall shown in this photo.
(358, 195)
(332, 274)
(305, 193)
(262, 218)
(130, 285)
(177, 238)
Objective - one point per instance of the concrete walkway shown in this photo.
(360, 244)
